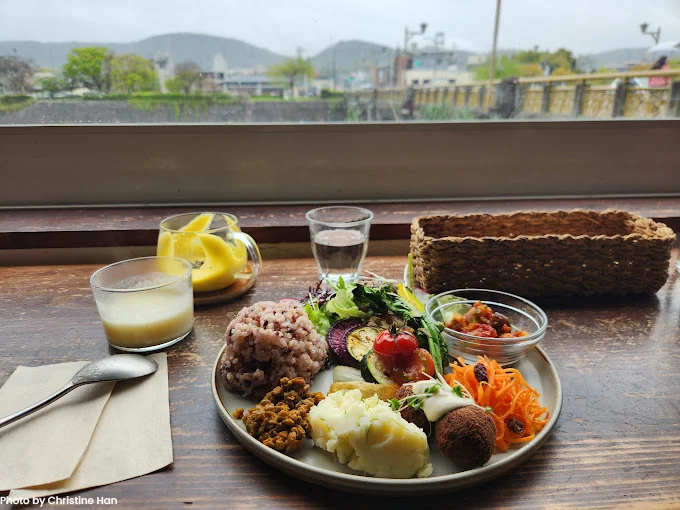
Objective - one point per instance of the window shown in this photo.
(189, 104)
(87, 63)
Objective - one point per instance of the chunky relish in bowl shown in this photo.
(485, 322)
(480, 320)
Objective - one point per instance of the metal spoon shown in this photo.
(119, 367)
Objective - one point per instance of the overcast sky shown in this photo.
(583, 26)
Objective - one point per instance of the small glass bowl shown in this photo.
(145, 304)
(522, 313)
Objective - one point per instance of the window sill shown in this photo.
(80, 166)
(272, 224)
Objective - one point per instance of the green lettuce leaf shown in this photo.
(343, 304)
(321, 322)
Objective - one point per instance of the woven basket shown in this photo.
(542, 254)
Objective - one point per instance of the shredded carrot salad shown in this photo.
(514, 404)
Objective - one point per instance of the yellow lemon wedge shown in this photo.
(408, 296)
(185, 246)
(199, 223)
(217, 262)
(165, 245)
(239, 247)
(240, 252)
(188, 246)
(234, 225)
(223, 262)
(165, 249)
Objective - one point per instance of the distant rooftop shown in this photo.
(252, 79)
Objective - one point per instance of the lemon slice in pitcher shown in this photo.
(199, 223)
(239, 247)
(188, 247)
(223, 262)
(185, 246)
(216, 261)
(234, 225)
(165, 245)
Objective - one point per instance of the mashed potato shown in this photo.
(369, 436)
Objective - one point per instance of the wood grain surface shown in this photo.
(109, 227)
(617, 442)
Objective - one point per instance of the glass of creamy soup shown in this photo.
(145, 304)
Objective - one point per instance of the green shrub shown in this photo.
(445, 112)
(157, 96)
(14, 103)
(8, 100)
(267, 98)
(103, 97)
(180, 103)
(328, 94)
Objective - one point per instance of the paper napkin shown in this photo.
(131, 438)
(48, 445)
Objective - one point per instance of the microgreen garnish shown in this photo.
(432, 389)
(457, 390)
(414, 401)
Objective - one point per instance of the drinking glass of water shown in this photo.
(339, 240)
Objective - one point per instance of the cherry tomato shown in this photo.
(406, 341)
(413, 367)
(384, 344)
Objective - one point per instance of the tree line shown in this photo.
(535, 63)
(530, 63)
(97, 69)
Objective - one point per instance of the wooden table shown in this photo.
(617, 442)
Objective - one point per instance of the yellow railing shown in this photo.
(600, 76)
(577, 95)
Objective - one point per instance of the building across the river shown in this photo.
(253, 85)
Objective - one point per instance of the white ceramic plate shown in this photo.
(315, 465)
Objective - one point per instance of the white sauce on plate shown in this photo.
(436, 404)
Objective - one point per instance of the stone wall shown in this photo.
(123, 112)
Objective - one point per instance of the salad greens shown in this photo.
(343, 305)
(363, 302)
(320, 320)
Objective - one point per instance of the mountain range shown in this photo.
(200, 48)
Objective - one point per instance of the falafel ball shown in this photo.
(467, 436)
(415, 416)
